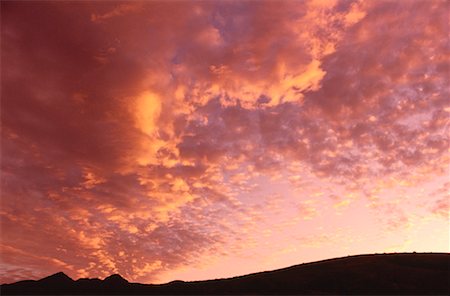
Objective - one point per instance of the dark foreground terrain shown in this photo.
(406, 274)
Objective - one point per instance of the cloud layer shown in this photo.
(152, 139)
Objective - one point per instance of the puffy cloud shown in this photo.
(140, 138)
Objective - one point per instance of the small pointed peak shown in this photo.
(115, 278)
(59, 276)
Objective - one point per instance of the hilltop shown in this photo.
(378, 274)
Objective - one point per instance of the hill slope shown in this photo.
(405, 274)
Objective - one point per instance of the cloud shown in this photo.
(117, 11)
(140, 138)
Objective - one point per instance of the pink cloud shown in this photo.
(140, 138)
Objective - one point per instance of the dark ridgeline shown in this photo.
(399, 274)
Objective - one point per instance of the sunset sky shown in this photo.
(192, 140)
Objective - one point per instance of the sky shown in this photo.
(192, 140)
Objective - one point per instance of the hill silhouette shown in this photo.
(379, 274)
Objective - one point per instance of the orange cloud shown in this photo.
(144, 138)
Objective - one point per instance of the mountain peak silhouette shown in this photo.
(370, 274)
(59, 277)
(115, 279)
